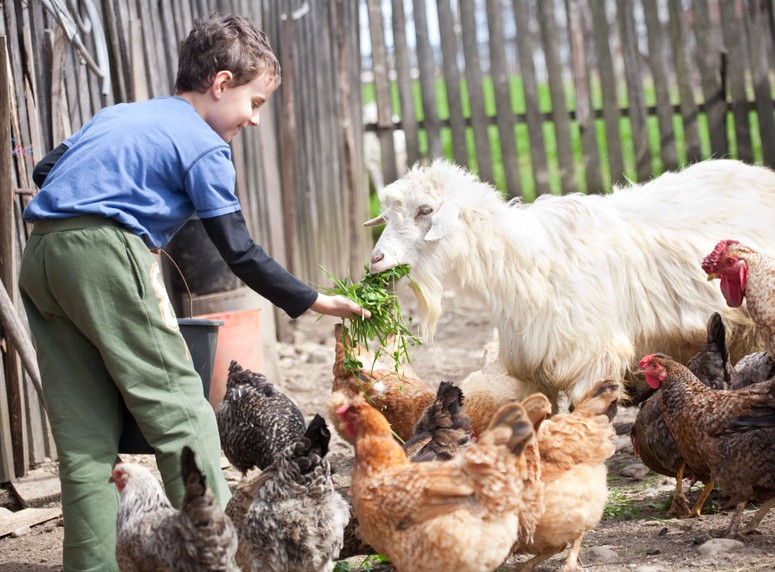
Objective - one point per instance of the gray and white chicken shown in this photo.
(256, 420)
(289, 517)
(152, 535)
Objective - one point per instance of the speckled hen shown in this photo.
(153, 535)
(256, 420)
(290, 518)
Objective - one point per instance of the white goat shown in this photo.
(580, 286)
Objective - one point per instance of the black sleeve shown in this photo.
(255, 267)
(41, 170)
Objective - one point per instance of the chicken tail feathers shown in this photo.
(717, 335)
(319, 435)
(451, 397)
(194, 480)
(514, 417)
(602, 399)
(234, 368)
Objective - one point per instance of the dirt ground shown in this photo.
(635, 533)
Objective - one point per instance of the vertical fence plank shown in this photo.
(9, 176)
(405, 81)
(8, 426)
(658, 62)
(504, 115)
(601, 32)
(533, 113)
(683, 72)
(551, 42)
(473, 75)
(585, 116)
(635, 100)
(449, 52)
(710, 57)
(427, 66)
(382, 92)
(731, 29)
(755, 20)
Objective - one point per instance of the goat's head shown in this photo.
(418, 210)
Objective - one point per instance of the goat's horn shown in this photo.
(375, 221)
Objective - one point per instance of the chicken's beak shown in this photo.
(712, 276)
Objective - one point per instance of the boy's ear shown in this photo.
(221, 82)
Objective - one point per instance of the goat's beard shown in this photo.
(429, 295)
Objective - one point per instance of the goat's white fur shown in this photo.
(580, 286)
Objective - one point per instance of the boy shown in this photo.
(98, 310)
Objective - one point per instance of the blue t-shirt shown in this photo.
(150, 165)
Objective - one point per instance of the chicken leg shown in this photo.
(697, 508)
(680, 505)
(757, 518)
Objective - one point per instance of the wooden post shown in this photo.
(287, 140)
(8, 263)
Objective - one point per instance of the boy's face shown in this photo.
(234, 108)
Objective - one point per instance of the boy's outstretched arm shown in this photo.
(266, 276)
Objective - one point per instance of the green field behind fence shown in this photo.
(523, 137)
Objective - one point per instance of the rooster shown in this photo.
(729, 431)
(461, 514)
(256, 420)
(290, 517)
(152, 535)
(574, 448)
(442, 429)
(746, 273)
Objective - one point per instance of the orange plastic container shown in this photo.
(239, 338)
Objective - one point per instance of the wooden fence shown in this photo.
(536, 95)
(606, 89)
(299, 176)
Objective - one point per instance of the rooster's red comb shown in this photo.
(642, 363)
(710, 262)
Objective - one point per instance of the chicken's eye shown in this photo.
(424, 210)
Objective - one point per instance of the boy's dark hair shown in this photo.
(231, 43)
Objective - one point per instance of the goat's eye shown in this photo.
(424, 210)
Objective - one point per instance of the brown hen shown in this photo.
(651, 439)
(729, 431)
(574, 448)
(400, 396)
(153, 535)
(460, 515)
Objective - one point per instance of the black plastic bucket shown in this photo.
(202, 339)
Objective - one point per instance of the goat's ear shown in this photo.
(444, 220)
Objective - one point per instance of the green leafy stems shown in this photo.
(376, 293)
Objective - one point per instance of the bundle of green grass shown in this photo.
(376, 293)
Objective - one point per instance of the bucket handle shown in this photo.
(183, 278)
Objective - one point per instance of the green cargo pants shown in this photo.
(104, 328)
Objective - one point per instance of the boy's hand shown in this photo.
(339, 306)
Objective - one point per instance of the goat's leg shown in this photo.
(757, 518)
(680, 505)
(571, 562)
(697, 508)
(531, 564)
